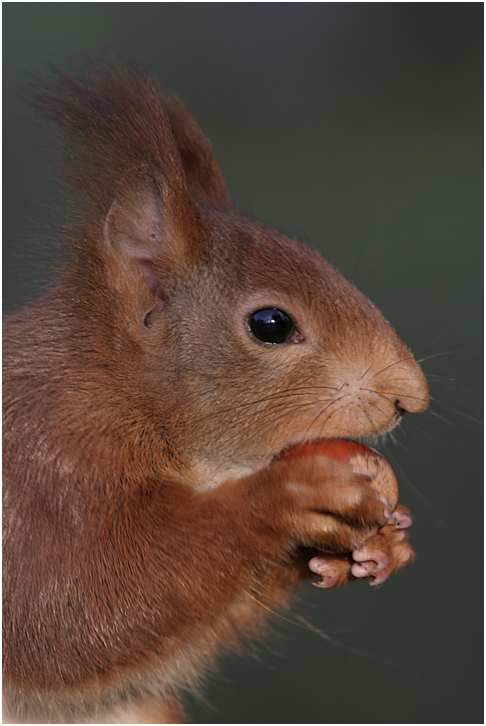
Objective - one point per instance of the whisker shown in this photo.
(446, 331)
(321, 413)
(367, 414)
(375, 405)
(454, 424)
(271, 397)
(439, 375)
(389, 393)
(447, 418)
(448, 352)
(456, 411)
(366, 371)
(395, 363)
(443, 381)
(274, 414)
(301, 622)
(412, 486)
(271, 418)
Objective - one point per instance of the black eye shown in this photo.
(271, 326)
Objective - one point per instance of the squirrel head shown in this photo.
(227, 338)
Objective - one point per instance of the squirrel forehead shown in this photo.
(262, 261)
(256, 257)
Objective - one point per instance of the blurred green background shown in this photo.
(357, 126)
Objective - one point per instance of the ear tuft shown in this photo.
(115, 120)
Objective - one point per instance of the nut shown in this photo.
(364, 460)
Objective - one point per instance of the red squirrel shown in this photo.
(149, 522)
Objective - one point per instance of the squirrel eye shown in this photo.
(271, 326)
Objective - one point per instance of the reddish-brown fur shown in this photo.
(145, 518)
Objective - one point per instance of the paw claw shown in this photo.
(325, 583)
(318, 565)
(380, 578)
(362, 569)
(401, 520)
(378, 558)
(325, 567)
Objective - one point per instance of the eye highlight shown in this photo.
(271, 325)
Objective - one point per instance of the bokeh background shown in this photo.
(357, 126)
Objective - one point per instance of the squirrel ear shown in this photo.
(147, 223)
(203, 177)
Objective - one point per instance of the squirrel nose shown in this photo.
(410, 385)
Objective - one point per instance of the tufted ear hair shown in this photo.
(203, 176)
(127, 139)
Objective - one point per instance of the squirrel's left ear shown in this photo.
(153, 224)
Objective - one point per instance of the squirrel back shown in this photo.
(146, 398)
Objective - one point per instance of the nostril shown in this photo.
(399, 409)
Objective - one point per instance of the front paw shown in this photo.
(384, 553)
(331, 506)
